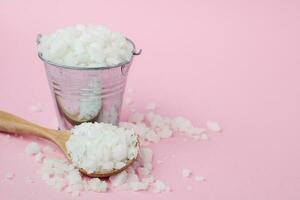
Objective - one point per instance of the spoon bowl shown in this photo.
(12, 124)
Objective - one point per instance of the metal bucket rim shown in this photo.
(89, 68)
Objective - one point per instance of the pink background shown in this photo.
(236, 62)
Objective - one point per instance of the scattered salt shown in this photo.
(186, 173)
(160, 186)
(39, 157)
(213, 126)
(29, 180)
(9, 175)
(118, 179)
(35, 108)
(95, 184)
(32, 148)
(199, 178)
(136, 118)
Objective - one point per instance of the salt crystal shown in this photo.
(29, 180)
(137, 186)
(213, 126)
(136, 117)
(35, 108)
(118, 179)
(95, 184)
(32, 148)
(186, 173)
(143, 171)
(199, 178)
(146, 156)
(39, 157)
(9, 175)
(159, 186)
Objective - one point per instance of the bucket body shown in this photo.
(87, 94)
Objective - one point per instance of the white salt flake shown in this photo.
(95, 184)
(213, 126)
(136, 117)
(32, 148)
(9, 175)
(35, 108)
(29, 180)
(186, 173)
(145, 156)
(39, 157)
(160, 186)
(200, 178)
(118, 179)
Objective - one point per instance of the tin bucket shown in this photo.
(87, 94)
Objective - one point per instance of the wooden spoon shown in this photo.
(13, 124)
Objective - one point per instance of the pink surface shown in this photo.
(236, 62)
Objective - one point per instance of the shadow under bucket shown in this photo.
(87, 94)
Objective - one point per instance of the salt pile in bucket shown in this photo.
(85, 46)
(101, 147)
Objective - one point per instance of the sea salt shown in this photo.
(85, 46)
(160, 186)
(9, 175)
(138, 177)
(32, 148)
(186, 173)
(95, 184)
(199, 178)
(39, 157)
(35, 108)
(100, 147)
(118, 179)
(213, 126)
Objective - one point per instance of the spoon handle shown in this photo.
(12, 124)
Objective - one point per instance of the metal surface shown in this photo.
(87, 94)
